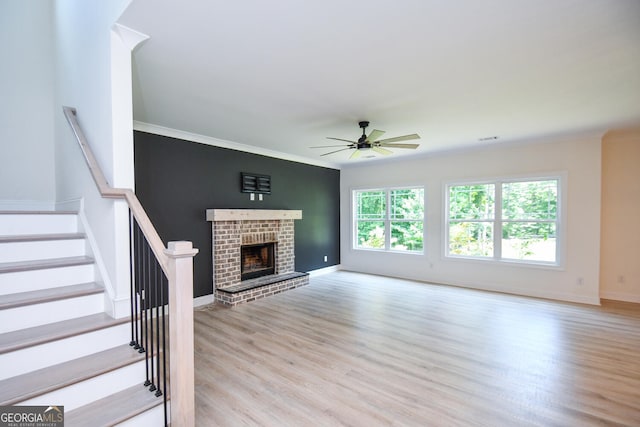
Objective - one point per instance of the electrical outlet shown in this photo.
(325, 258)
(252, 196)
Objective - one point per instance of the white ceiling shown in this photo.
(283, 75)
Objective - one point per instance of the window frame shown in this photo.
(388, 220)
(497, 221)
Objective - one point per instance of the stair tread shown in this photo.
(115, 408)
(12, 267)
(47, 295)
(35, 383)
(16, 340)
(41, 237)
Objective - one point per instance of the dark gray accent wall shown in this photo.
(177, 181)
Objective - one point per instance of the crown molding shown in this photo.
(216, 142)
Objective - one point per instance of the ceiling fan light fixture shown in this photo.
(372, 143)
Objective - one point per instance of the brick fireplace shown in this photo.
(253, 229)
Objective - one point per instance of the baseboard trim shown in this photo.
(620, 296)
(580, 299)
(556, 296)
(203, 300)
(326, 270)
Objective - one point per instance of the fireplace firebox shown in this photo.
(257, 260)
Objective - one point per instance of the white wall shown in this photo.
(84, 81)
(27, 164)
(578, 157)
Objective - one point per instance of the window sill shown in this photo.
(507, 262)
(388, 251)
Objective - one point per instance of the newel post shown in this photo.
(181, 352)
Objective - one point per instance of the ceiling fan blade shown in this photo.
(345, 140)
(382, 151)
(355, 155)
(413, 146)
(330, 146)
(331, 152)
(400, 138)
(375, 134)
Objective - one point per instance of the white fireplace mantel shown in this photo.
(252, 214)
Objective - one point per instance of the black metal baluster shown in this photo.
(158, 307)
(153, 301)
(132, 343)
(142, 294)
(164, 347)
(149, 287)
(145, 317)
(138, 284)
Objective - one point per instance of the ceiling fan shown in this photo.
(371, 142)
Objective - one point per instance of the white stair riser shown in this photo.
(20, 224)
(92, 389)
(41, 356)
(153, 417)
(28, 316)
(24, 281)
(47, 249)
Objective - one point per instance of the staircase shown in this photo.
(57, 345)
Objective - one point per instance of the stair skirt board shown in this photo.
(29, 316)
(46, 249)
(24, 281)
(87, 391)
(31, 358)
(20, 223)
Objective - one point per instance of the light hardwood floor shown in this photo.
(361, 350)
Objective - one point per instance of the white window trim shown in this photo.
(387, 220)
(561, 222)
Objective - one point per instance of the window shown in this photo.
(530, 220)
(471, 218)
(389, 219)
(504, 220)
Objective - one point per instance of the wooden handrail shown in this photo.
(107, 191)
(176, 261)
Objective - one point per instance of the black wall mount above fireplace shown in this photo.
(257, 260)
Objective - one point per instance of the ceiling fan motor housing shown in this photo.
(362, 143)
